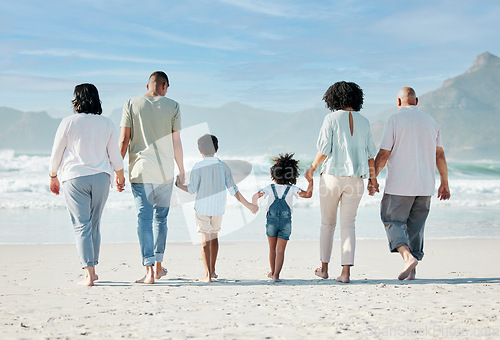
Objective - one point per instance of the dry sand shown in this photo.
(457, 294)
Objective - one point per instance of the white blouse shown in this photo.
(85, 144)
(347, 155)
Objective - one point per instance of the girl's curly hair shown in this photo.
(342, 95)
(285, 169)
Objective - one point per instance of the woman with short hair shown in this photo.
(84, 156)
(346, 149)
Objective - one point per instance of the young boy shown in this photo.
(284, 174)
(209, 180)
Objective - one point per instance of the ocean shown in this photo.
(30, 213)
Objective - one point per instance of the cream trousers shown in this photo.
(346, 192)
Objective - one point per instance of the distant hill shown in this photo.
(242, 129)
(27, 131)
(466, 107)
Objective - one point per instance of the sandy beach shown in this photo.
(456, 294)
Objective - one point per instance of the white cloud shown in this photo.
(263, 7)
(299, 9)
(221, 43)
(94, 56)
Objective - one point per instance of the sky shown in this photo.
(270, 54)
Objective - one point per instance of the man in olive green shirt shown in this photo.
(150, 130)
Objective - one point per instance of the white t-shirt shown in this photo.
(412, 137)
(280, 190)
(151, 152)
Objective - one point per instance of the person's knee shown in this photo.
(328, 224)
(161, 214)
(347, 223)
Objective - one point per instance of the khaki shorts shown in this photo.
(208, 224)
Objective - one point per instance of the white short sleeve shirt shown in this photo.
(280, 190)
(412, 137)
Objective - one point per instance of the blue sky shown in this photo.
(279, 55)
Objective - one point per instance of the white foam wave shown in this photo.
(24, 184)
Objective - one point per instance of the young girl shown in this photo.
(284, 173)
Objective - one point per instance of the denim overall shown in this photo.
(279, 217)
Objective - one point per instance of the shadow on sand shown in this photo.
(177, 282)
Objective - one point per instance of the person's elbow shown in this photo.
(440, 154)
(306, 194)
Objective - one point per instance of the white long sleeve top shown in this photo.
(85, 144)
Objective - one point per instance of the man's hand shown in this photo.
(181, 178)
(444, 192)
(373, 186)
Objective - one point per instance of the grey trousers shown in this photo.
(85, 198)
(404, 220)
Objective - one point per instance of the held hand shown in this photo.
(177, 181)
(444, 192)
(253, 208)
(54, 186)
(181, 177)
(120, 183)
(309, 174)
(373, 187)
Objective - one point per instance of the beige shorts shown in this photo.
(208, 224)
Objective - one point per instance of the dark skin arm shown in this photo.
(381, 160)
(309, 192)
(372, 181)
(444, 190)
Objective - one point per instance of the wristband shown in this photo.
(52, 176)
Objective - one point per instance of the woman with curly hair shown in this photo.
(284, 174)
(346, 150)
(84, 156)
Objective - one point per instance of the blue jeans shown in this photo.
(85, 198)
(152, 202)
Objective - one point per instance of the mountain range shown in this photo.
(465, 107)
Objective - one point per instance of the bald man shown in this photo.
(411, 147)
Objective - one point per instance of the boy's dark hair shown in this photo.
(342, 95)
(208, 144)
(285, 169)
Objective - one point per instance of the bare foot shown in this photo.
(321, 274)
(163, 271)
(343, 279)
(94, 277)
(147, 279)
(276, 279)
(86, 282)
(206, 279)
(214, 276)
(409, 266)
(270, 275)
(412, 275)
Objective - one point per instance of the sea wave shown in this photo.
(24, 184)
(10, 161)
